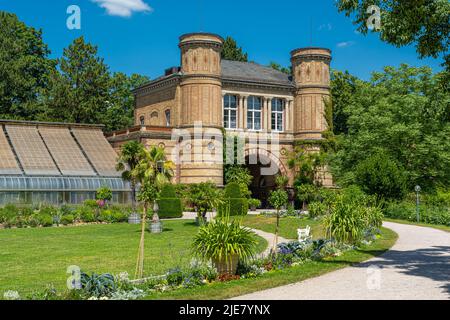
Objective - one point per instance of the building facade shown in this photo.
(193, 108)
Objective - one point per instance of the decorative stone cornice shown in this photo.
(158, 84)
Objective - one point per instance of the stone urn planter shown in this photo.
(227, 266)
(134, 218)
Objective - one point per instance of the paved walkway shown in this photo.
(270, 238)
(417, 268)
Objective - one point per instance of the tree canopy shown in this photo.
(404, 113)
(425, 23)
(231, 51)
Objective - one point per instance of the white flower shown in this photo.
(123, 277)
(11, 295)
(93, 298)
(104, 298)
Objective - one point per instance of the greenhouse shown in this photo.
(56, 163)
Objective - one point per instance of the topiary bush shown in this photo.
(169, 204)
(234, 204)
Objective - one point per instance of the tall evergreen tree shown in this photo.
(79, 90)
(24, 68)
(231, 51)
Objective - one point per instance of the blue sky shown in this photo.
(141, 36)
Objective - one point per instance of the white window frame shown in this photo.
(277, 113)
(228, 111)
(168, 116)
(252, 111)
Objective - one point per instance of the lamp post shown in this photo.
(418, 189)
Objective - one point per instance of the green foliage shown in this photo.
(352, 217)
(423, 23)
(222, 239)
(240, 175)
(231, 51)
(95, 285)
(24, 68)
(278, 67)
(254, 203)
(403, 113)
(204, 197)
(170, 208)
(234, 204)
(317, 209)
(379, 175)
(104, 193)
(278, 199)
(169, 204)
(343, 90)
(45, 220)
(174, 277)
(67, 219)
(429, 213)
(281, 181)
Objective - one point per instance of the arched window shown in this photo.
(254, 113)
(277, 114)
(230, 111)
(167, 113)
(142, 120)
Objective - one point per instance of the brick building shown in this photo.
(269, 110)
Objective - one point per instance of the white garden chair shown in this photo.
(304, 234)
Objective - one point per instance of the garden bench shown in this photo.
(304, 234)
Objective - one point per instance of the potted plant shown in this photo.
(253, 204)
(236, 243)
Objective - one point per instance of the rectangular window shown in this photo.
(277, 114)
(254, 113)
(230, 111)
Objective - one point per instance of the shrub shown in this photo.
(86, 213)
(381, 176)
(428, 213)
(8, 212)
(106, 216)
(234, 204)
(174, 277)
(119, 216)
(254, 203)
(104, 193)
(67, 219)
(45, 220)
(169, 204)
(317, 209)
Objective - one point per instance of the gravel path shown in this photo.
(270, 238)
(416, 268)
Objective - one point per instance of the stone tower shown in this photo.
(311, 70)
(201, 104)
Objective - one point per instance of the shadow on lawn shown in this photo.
(432, 263)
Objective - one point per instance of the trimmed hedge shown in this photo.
(234, 204)
(169, 204)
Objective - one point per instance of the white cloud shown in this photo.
(345, 44)
(123, 8)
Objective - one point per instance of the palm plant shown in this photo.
(204, 197)
(152, 171)
(154, 168)
(127, 162)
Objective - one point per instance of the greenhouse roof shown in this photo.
(56, 156)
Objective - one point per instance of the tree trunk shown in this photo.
(133, 196)
(140, 261)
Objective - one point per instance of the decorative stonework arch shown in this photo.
(268, 154)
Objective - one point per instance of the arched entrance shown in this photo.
(264, 167)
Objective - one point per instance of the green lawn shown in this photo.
(435, 226)
(288, 225)
(273, 279)
(32, 258)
